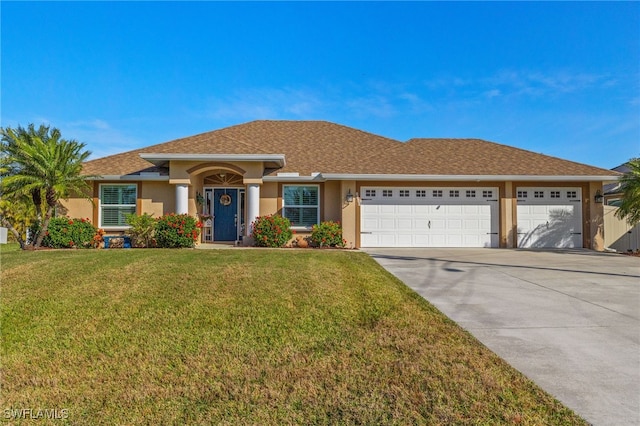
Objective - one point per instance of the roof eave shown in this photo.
(476, 178)
(160, 158)
(134, 178)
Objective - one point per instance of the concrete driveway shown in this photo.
(567, 319)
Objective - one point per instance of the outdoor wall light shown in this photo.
(349, 197)
(599, 198)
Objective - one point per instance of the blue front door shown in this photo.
(225, 211)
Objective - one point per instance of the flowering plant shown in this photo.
(328, 234)
(271, 231)
(177, 230)
(64, 232)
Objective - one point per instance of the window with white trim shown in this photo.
(538, 194)
(470, 193)
(301, 205)
(116, 201)
(370, 193)
(404, 192)
(387, 192)
(437, 193)
(454, 193)
(522, 194)
(487, 194)
(572, 194)
(555, 194)
(421, 193)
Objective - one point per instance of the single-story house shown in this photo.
(385, 193)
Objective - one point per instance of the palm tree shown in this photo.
(630, 187)
(39, 164)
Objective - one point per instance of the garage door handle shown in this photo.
(366, 232)
(492, 233)
(429, 224)
(576, 233)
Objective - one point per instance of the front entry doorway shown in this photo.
(226, 206)
(225, 214)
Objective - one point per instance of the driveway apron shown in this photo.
(568, 319)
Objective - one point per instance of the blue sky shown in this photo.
(562, 79)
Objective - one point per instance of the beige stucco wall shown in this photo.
(78, 208)
(332, 206)
(594, 217)
(157, 198)
(269, 204)
(350, 212)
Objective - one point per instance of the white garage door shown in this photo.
(428, 217)
(549, 217)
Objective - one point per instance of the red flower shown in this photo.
(70, 243)
(71, 222)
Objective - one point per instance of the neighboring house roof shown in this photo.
(614, 188)
(332, 149)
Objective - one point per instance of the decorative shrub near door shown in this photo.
(177, 231)
(271, 231)
(327, 234)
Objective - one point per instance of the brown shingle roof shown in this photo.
(320, 146)
(480, 157)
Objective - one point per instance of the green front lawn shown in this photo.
(243, 337)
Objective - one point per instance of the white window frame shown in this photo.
(317, 206)
(100, 205)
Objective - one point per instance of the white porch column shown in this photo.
(253, 205)
(182, 199)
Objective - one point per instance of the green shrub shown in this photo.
(327, 234)
(271, 231)
(142, 229)
(177, 230)
(64, 232)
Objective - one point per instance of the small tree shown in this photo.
(39, 164)
(17, 215)
(629, 209)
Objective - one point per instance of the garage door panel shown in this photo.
(387, 223)
(454, 224)
(387, 209)
(404, 224)
(421, 210)
(435, 218)
(547, 222)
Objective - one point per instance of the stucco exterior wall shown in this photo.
(77, 207)
(350, 212)
(594, 217)
(157, 198)
(269, 199)
(332, 207)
